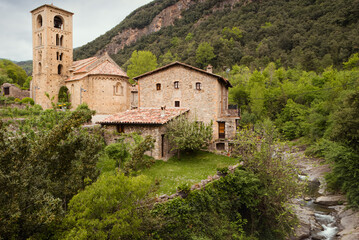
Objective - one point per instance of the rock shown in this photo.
(330, 200)
(350, 222)
(307, 198)
(306, 223)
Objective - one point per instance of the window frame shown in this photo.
(158, 86)
(198, 86)
(177, 103)
(176, 85)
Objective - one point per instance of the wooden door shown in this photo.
(222, 129)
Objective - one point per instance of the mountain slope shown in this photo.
(307, 33)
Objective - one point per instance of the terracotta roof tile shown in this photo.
(95, 66)
(220, 78)
(144, 116)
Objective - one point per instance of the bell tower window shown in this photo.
(39, 21)
(39, 67)
(59, 69)
(58, 22)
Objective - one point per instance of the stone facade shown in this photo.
(52, 51)
(10, 90)
(204, 93)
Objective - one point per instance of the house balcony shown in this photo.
(232, 112)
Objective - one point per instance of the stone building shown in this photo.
(204, 93)
(181, 86)
(10, 90)
(97, 81)
(149, 121)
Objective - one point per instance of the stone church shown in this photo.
(97, 81)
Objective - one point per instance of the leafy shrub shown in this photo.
(28, 100)
(108, 209)
(223, 210)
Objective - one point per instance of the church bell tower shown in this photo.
(52, 52)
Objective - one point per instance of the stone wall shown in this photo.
(14, 91)
(101, 94)
(156, 131)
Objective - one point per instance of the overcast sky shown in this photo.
(91, 19)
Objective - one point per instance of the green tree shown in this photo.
(141, 62)
(39, 173)
(107, 209)
(204, 54)
(186, 135)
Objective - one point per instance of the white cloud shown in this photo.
(92, 18)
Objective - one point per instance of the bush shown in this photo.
(28, 100)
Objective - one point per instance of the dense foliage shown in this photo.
(186, 135)
(108, 209)
(42, 165)
(141, 62)
(12, 73)
(310, 34)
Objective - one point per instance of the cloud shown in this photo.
(92, 18)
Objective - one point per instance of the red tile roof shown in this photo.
(95, 66)
(220, 78)
(144, 116)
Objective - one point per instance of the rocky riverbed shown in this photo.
(322, 214)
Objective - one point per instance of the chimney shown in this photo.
(210, 68)
(163, 109)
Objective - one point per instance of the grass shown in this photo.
(188, 169)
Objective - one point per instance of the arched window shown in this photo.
(58, 22)
(118, 89)
(61, 40)
(39, 21)
(158, 86)
(39, 68)
(59, 69)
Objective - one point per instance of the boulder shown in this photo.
(331, 200)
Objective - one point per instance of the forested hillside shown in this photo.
(12, 73)
(310, 34)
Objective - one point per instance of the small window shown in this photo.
(39, 39)
(59, 69)
(198, 86)
(61, 40)
(39, 67)
(61, 54)
(57, 40)
(158, 86)
(176, 85)
(6, 90)
(177, 103)
(120, 128)
(58, 22)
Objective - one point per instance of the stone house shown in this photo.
(149, 121)
(204, 93)
(11, 90)
(181, 86)
(97, 81)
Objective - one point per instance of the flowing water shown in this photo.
(325, 216)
